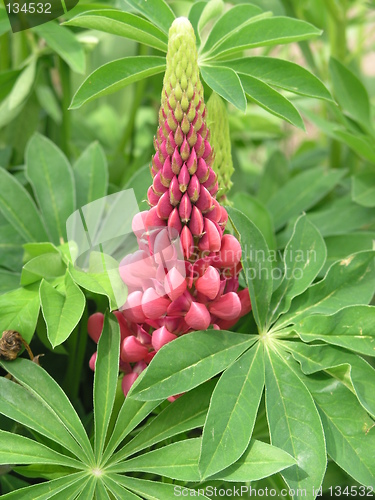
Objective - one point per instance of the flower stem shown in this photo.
(65, 102)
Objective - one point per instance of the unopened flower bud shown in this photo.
(187, 242)
(164, 207)
(132, 350)
(174, 284)
(154, 306)
(95, 326)
(209, 283)
(185, 208)
(198, 316)
(161, 337)
(227, 307)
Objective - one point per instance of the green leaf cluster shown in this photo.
(235, 78)
(318, 398)
(36, 227)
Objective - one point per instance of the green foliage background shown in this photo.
(286, 400)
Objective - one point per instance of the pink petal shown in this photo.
(174, 284)
(132, 350)
(153, 305)
(95, 326)
(228, 307)
(209, 283)
(198, 317)
(161, 337)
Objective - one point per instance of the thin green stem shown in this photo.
(77, 348)
(337, 31)
(64, 71)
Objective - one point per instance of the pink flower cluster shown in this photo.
(170, 296)
(184, 275)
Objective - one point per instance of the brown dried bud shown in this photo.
(11, 344)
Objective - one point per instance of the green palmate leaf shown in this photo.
(7, 80)
(256, 264)
(187, 412)
(139, 182)
(43, 386)
(101, 492)
(130, 415)
(106, 372)
(64, 43)
(7, 114)
(23, 85)
(42, 470)
(294, 425)
(322, 357)
(177, 461)
(115, 75)
(32, 250)
(123, 24)
(48, 266)
(75, 490)
(52, 181)
(212, 9)
(19, 404)
(350, 93)
(90, 489)
(352, 327)
(235, 18)
(104, 281)
(363, 189)
(19, 209)
(304, 256)
(225, 82)
(157, 11)
(341, 246)
(341, 217)
(259, 460)
(361, 144)
(233, 410)
(190, 360)
(9, 483)
(276, 173)
(263, 32)
(257, 213)
(283, 74)
(61, 310)
(20, 310)
(16, 449)
(349, 431)
(118, 490)
(8, 280)
(49, 489)
(301, 193)
(10, 247)
(48, 101)
(152, 490)
(271, 100)
(348, 282)
(195, 13)
(91, 175)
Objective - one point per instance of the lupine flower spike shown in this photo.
(184, 277)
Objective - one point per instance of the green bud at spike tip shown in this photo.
(220, 142)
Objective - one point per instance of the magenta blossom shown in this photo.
(184, 276)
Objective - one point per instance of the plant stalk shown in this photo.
(65, 80)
